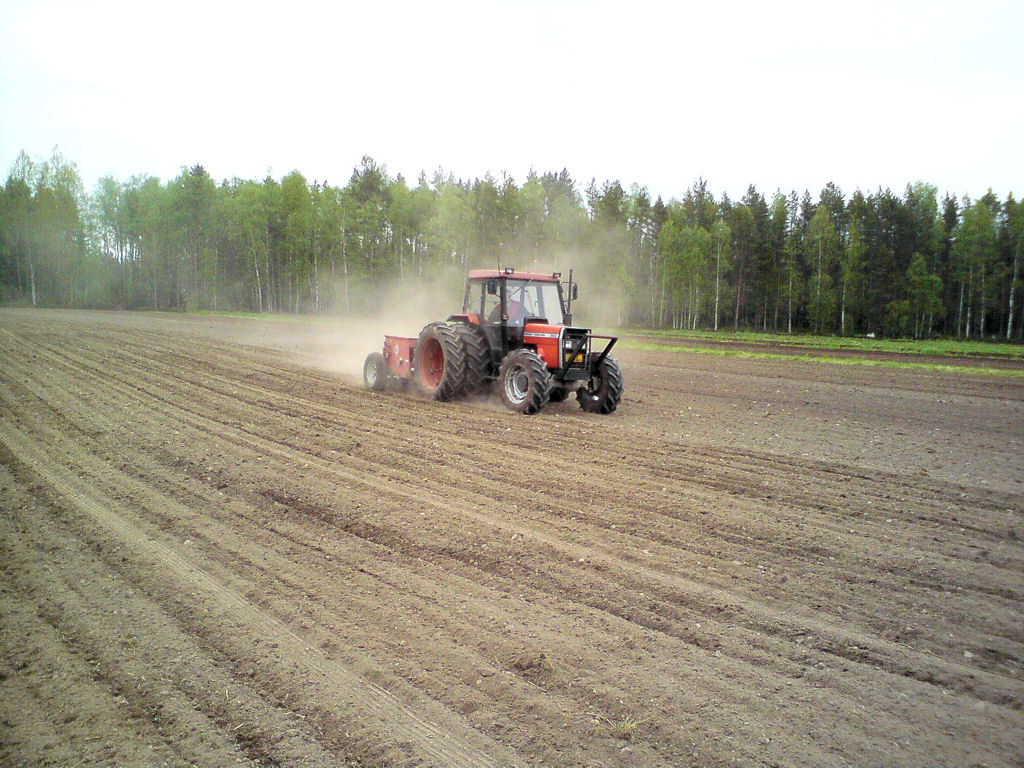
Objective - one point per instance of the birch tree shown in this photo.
(821, 244)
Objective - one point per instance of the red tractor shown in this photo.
(515, 333)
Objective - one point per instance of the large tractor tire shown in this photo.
(477, 356)
(375, 372)
(605, 390)
(524, 383)
(440, 362)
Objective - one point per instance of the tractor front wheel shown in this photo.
(524, 383)
(603, 393)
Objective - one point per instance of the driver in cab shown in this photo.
(517, 311)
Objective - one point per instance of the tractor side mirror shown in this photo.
(492, 287)
(574, 291)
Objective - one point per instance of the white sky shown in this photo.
(784, 95)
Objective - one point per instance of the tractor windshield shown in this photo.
(529, 298)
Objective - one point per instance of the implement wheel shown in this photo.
(524, 383)
(440, 362)
(603, 393)
(375, 372)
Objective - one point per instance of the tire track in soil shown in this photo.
(747, 537)
(275, 569)
(859, 654)
(118, 684)
(854, 648)
(136, 500)
(747, 469)
(730, 483)
(442, 743)
(299, 452)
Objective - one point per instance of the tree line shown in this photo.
(910, 265)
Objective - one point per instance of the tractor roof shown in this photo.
(488, 274)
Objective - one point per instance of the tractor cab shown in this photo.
(515, 309)
(509, 297)
(505, 303)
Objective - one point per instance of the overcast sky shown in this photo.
(783, 95)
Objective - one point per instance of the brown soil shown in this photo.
(218, 548)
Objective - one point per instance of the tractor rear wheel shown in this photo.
(477, 354)
(440, 362)
(375, 372)
(524, 383)
(603, 393)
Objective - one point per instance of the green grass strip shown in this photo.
(939, 347)
(747, 354)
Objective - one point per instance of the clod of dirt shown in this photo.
(531, 660)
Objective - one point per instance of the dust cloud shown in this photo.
(364, 312)
(399, 307)
(602, 281)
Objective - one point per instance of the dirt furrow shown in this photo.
(854, 643)
(670, 470)
(184, 514)
(136, 657)
(448, 744)
(643, 599)
(51, 438)
(860, 654)
(765, 541)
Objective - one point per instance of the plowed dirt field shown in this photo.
(217, 548)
